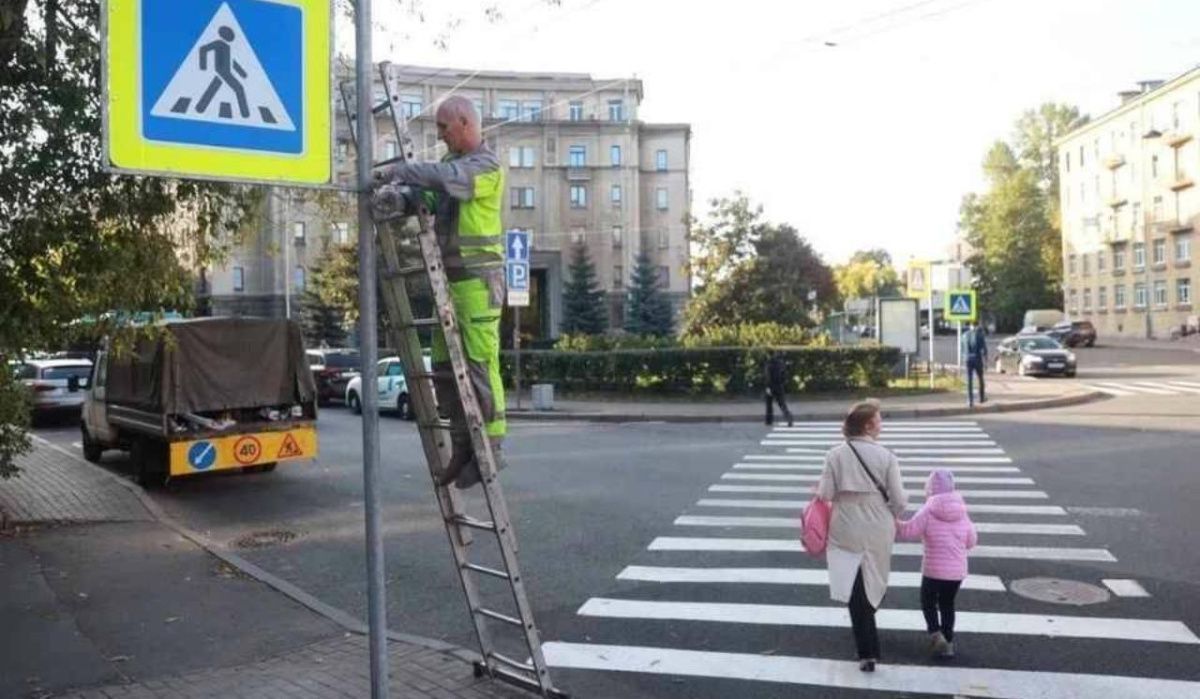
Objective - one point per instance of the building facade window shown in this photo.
(1160, 252)
(1073, 301)
(239, 279)
(664, 277)
(660, 160)
(1135, 217)
(618, 276)
(614, 155)
(298, 278)
(1160, 293)
(615, 196)
(521, 198)
(664, 238)
(1183, 291)
(1156, 208)
(340, 232)
(1085, 264)
(478, 104)
(390, 149)
(1183, 247)
(660, 198)
(1139, 255)
(1119, 260)
(616, 110)
(1087, 300)
(531, 110)
(1102, 298)
(411, 106)
(578, 196)
(1119, 297)
(508, 109)
(521, 156)
(575, 111)
(1139, 295)
(1071, 263)
(618, 236)
(299, 234)
(1101, 262)
(577, 156)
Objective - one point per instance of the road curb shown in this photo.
(902, 413)
(338, 616)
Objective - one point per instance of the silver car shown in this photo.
(55, 384)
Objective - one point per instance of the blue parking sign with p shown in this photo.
(518, 276)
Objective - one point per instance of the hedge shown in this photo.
(703, 371)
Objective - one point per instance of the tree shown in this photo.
(330, 299)
(649, 311)
(583, 300)
(725, 240)
(869, 273)
(772, 285)
(75, 240)
(1034, 138)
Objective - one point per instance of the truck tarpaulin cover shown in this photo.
(212, 364)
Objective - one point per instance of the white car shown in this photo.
(393, 388)
(56, 384)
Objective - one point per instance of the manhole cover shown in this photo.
(1059, 591)
(261, 540)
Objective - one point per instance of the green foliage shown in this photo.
(14, 421)
(649, 311)
(725, 240)
(601, 343)
(330, 300)
(704, 371)
(749, 335)
(583, 300)
(75, 240)
(1014, 227)
(772, 285)
(866, 276)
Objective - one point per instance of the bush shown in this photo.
(752, 335)
(703, 371)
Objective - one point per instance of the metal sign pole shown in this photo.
(929, 286)
(517, 348)
(369, 352)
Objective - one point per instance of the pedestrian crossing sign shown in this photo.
(219, 89)
(961, 306)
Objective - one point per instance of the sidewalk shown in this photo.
(1191, 342)
(126, 603)
(1005, 393)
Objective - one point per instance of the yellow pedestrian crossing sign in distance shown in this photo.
(961, 306)
(219, 89)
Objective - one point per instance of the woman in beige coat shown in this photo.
(867, 496)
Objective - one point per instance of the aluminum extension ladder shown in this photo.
(409, 256)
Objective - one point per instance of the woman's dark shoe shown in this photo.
(867, 665)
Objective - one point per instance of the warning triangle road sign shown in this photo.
(961, 306)
(289, 449)
(222, 82)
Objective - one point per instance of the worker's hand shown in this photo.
(391, 201)
(388, 174)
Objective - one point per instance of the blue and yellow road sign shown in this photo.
(961, 305)
(226, 89)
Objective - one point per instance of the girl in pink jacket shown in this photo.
(947, 532)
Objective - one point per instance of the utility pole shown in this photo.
(369, 351)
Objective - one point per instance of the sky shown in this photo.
(870, 142)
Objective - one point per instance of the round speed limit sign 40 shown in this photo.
(247, 450)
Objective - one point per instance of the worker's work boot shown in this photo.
(470, 473)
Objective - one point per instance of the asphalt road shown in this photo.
(589, 501)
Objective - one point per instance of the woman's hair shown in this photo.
(860, 415)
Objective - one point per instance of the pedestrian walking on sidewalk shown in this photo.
(776, 379)
(947, 532)
(976, 353)
(862, 481)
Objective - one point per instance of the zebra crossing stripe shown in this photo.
(972, 508)
(887, 429)
(1108, 389)
(724, 544)
(1180, 386)
(821, 672)
(837, 424)
(1056, 626)
(803, 489)
(931, 443)
(794, 524)
(782, 576)
(1125, 588)
(819, 465)
(1151, 388)
(1191, 384)
(814, 477)
(816, 455)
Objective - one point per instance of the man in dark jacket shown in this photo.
(776, 381)
(975, 352)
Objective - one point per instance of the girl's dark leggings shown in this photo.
(937, 597)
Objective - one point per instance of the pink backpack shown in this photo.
(814, 526)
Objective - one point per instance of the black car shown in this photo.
(1034, 355)
(332, 369)
(1074, 333)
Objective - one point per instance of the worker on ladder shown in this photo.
(464, 191)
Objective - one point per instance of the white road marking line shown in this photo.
(1152, 388)
(886, 443)
(1192, 384)
(804, 489)
(1180, 386)
(798, 505)
(819, 465)
(794, 524)
(1055, 626)
(887, 429)
(1125, 588)
(782, 576)
(1107, 389)
(944, 459)
(940, 680)
(814, 477)
(891, 423)
(732, 545)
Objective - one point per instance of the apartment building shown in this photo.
(1129, 211)
(581, 168)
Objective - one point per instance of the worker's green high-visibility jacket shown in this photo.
(465, 195)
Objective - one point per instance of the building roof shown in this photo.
(1134, 103)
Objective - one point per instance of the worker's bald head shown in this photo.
(458, 124)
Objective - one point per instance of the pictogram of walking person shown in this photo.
(224, 66)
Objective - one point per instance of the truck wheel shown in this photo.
(92, 451)
(354, 404)
(149, 463)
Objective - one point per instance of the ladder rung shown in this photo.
(389, 161)
(516, 664)
(519, 680)
(500, 617)
(487, 571)
(465, 521)
(404, 272)
(423, 323)
(379, 108)
(437, 425)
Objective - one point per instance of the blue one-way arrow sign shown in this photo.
(517, 248)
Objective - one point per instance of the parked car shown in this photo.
(392, 387)
(332, 371)
(1074, 333)
(1043, 318)
(56, 384)
(1034, 355)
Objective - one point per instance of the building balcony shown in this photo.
(579, 174)
(1177, 137)
(1114, 161)
(1181, 181)
(1116, 201)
